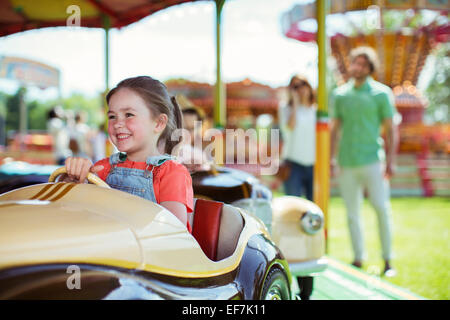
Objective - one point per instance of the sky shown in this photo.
(178, 42)
(173, 43)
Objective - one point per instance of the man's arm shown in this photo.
(391, 145)
(335, 129)
(334, 138)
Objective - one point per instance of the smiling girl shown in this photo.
(141, 119)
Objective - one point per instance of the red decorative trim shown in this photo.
(103, 8)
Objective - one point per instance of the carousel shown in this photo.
(245, 99)
(403, 33)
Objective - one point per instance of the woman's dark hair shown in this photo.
(158, 100)
(51, 114)
(303, 81)
(55, 112)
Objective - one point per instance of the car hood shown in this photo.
(82, 223)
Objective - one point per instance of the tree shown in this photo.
(438, 91)
(36, 111)
(3, 99)
(92, 106)
(13, 109)
(37, 115)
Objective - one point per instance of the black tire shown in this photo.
(276, 286)
(306, 285)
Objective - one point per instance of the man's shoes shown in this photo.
(389, 271)
(357, 264)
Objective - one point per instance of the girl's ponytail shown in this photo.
(178, 119)
(177, 113)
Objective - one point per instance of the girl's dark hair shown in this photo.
(304, 81)
(158, 100)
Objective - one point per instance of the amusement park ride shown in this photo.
(403, 39)
(403, 52)
(243, 98)
(404, 33)
(403, 48)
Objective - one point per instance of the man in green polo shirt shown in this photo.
(361, 107)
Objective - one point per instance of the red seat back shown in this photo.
(206, 226)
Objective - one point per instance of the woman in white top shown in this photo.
(60, 134)
(298, 127)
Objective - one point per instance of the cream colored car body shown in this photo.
(134, 233)
(304, 252)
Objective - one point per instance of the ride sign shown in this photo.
(29, 72)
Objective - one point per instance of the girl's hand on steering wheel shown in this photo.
(79, 168)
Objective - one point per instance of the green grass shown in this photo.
(420, 243)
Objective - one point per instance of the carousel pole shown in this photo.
(23, 117)
(322, 168)
(106, 59)
(219, 96)
(106, 26)
(219, 113)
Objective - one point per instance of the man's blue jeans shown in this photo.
(300, 180)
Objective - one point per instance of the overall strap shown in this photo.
(156, 161)
(117, 158)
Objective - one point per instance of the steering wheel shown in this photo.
(92, 178)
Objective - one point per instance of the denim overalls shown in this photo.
(135, 181)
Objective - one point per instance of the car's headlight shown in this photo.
(311, 221)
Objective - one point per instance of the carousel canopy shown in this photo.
(22, 15)
(243, 97)
(401, 56)
(402, 47)
(408, 96)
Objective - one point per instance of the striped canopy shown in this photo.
(21, 15)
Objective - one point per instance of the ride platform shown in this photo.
(345, 282)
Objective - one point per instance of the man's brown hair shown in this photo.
(369, 54)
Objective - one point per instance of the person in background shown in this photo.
(80, 134)
(298, 127)
(60, 135)
(190, 151)
(360, 108)
(98, 143)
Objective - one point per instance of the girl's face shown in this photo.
(132, 127)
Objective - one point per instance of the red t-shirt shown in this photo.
(171, 181)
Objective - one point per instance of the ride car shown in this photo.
(18, 174)
(124, 247)
(294, 225)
